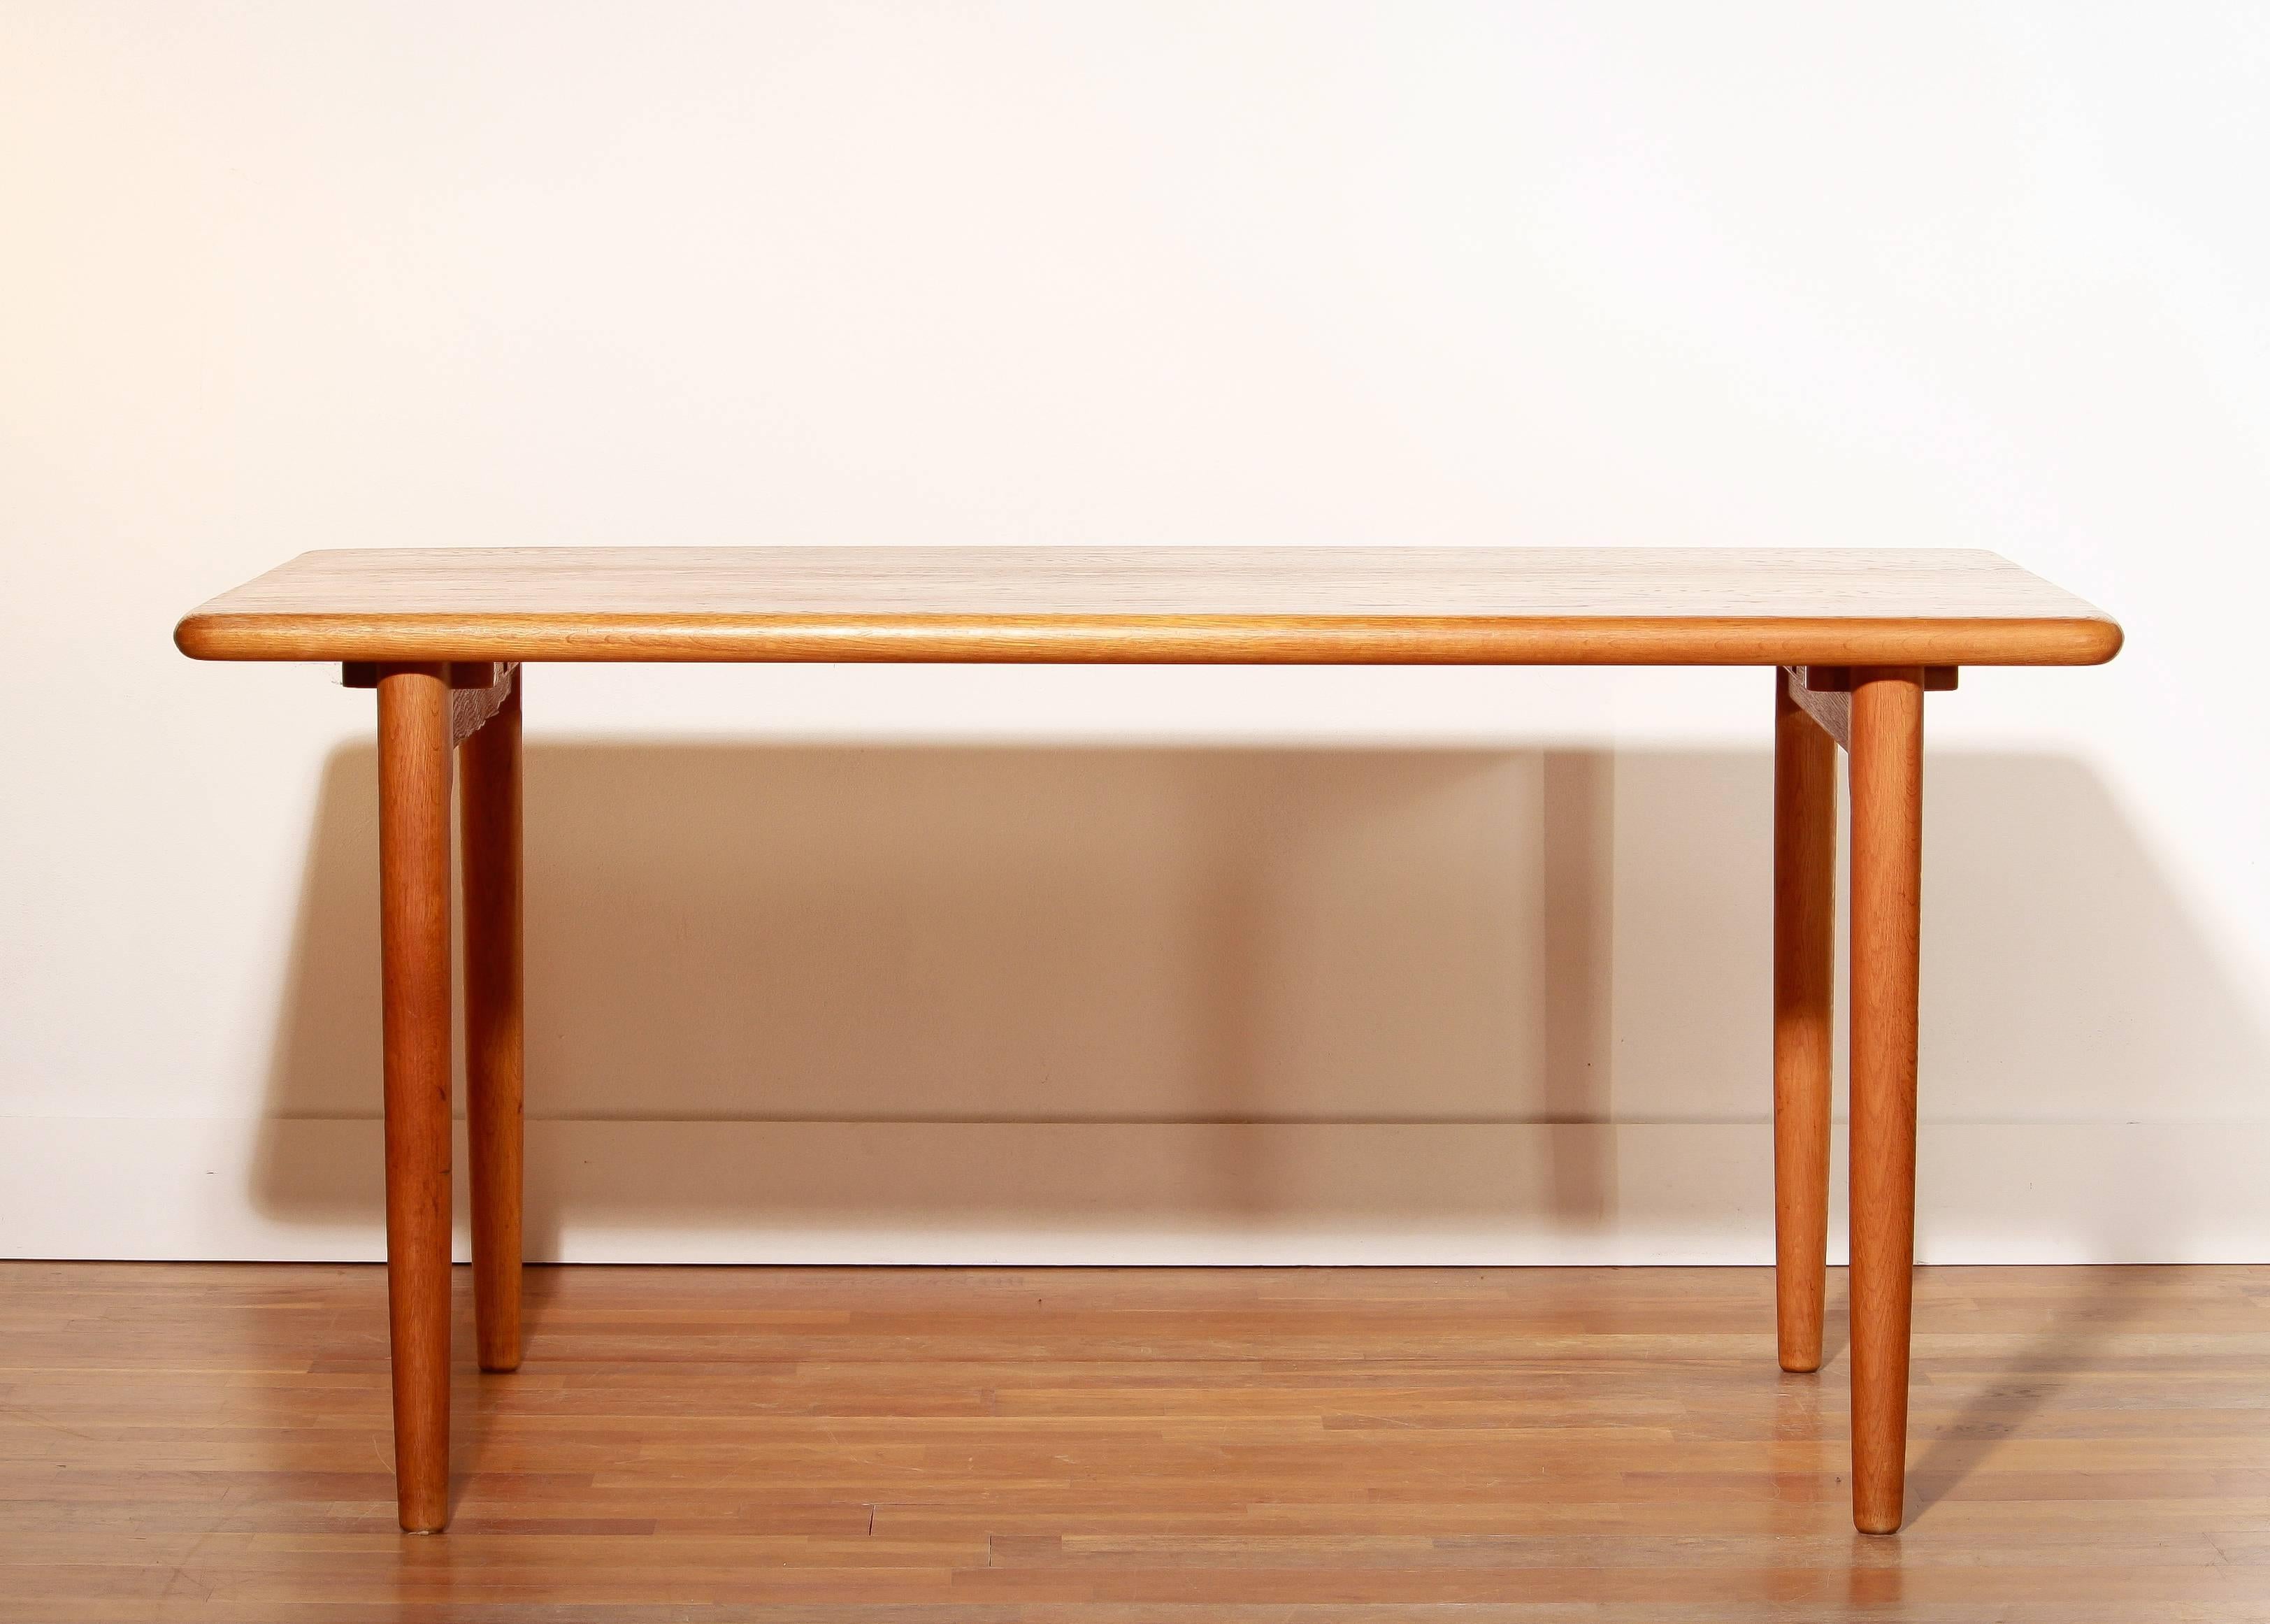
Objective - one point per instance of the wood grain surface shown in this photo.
(1516, 605)
(204, 1443)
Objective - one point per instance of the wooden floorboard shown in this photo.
(211, 1442)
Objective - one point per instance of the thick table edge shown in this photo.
(1228, 640)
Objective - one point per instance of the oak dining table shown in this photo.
(1853, 639)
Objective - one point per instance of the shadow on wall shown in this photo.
(968, 979)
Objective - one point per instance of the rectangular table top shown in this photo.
(1278, 605)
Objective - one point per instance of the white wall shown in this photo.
(969, 964)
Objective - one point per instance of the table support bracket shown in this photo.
(1824, 693)
(478, 690)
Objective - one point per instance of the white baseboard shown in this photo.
(1029, 1194)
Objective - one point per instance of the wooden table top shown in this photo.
(1272, 606)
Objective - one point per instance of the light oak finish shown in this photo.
(1804, 1026)
(413, 862)
(488, 842)
(1863, 635)
(1516, 605)
(1887, 889)
(185, 1443)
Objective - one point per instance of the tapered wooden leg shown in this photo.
(1804, 950)
(413, 866)
(489, 843)
(1887, 913)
